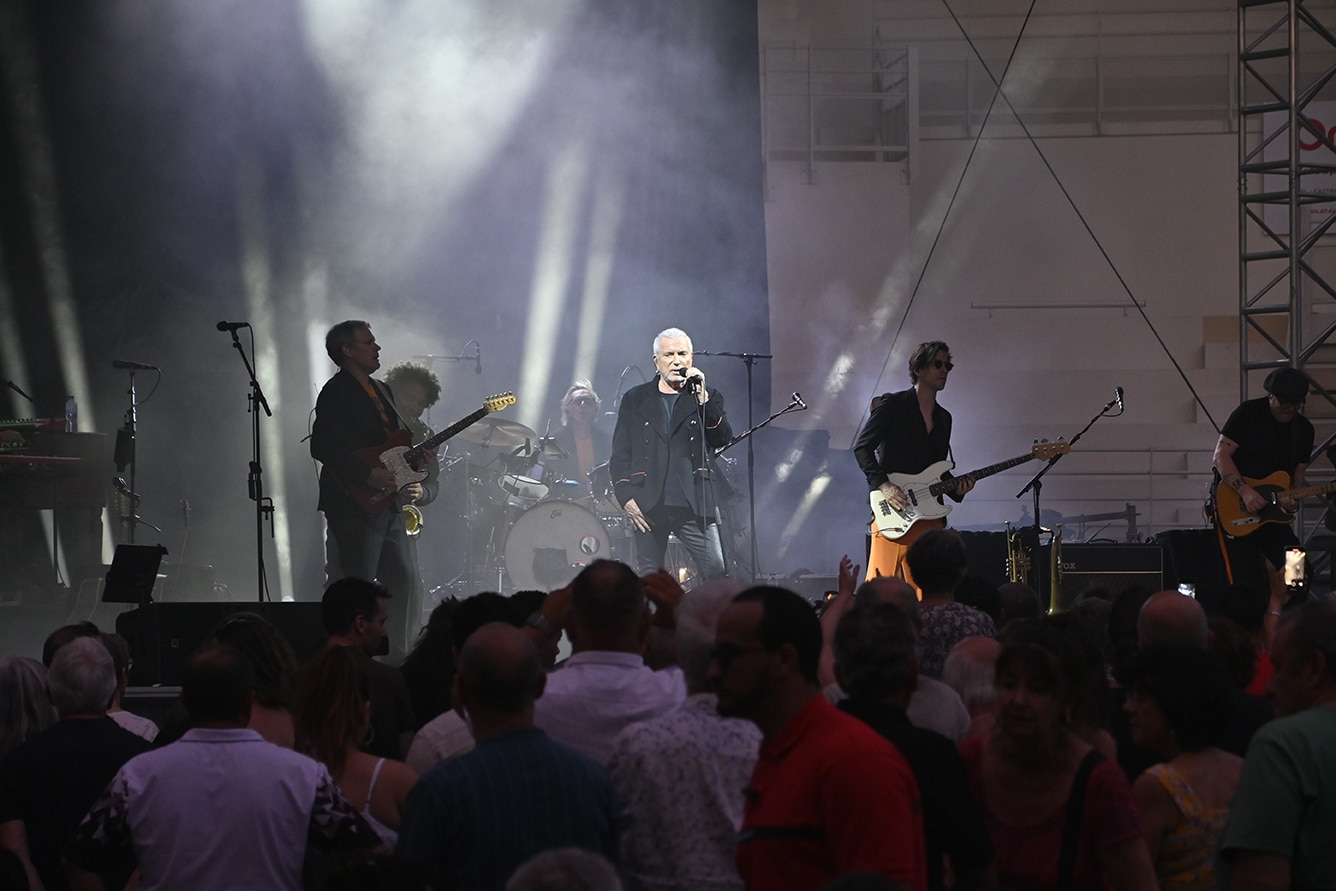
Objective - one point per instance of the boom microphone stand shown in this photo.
(749, 359)
(264, 506)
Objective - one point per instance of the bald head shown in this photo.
(1171, 619)
(499, 670)
(890, 589)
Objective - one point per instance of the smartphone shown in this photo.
(1295, 575)
(1188, 589)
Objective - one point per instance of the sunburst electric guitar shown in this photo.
(1236, 520)
(924, 491)
(400, 457)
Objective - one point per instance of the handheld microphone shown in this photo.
(133, 366)
(232, 326)
(477, 358)
(798, 400)
(1118, 397)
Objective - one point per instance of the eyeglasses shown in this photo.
(1285, 403)
(939, 365)
(583, 400)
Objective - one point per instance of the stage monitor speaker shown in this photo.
(1113, 566)
(163, 635)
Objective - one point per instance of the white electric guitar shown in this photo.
(924, 491)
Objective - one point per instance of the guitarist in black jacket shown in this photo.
(905, 433)
(355, 411)
(1263, 436)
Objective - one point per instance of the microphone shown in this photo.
(232, 326)
(798, 400)
(133, 366)
(1118, 397)
(690, 383)
(477, 358)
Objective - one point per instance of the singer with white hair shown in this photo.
(663, 459)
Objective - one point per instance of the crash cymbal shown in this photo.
(550, 449)
(497, 432)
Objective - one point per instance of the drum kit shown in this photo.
(526, 523)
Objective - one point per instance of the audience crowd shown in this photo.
(729, 737)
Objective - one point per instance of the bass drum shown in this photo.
(551, 542)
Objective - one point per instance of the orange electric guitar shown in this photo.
(399, 456)
(1236, 520)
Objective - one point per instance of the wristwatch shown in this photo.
(539, 621)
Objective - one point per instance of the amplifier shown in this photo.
(1113, 566)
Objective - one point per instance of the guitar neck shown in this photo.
(1308, 491)
(944, 486)
(416, 451)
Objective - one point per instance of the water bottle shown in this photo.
(71, 415)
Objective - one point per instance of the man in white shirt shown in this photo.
(606, 686)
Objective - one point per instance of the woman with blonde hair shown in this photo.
(333, 721)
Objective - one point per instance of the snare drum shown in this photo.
(550, 543)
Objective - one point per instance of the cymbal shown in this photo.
(550, 449)
(494, 431)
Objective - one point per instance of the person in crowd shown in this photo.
(120, 658)
(354, 411)
(1178, 704)
(416, 388)
(429, 668)
(906, 432)
(48, 783)
(354, 612)
(829, 795)
(1059, 813)
(605, 685)
(332, 717)
(1283, 816)
(221, 807)
(679, 777)
(1247, 607)
(473, 820)
(662, 462)
(969, 670)
(980, 593)
(448, 734)
(565, 869)
(932, 704)
(1264, 436)
(25, 708)
(63, 635)
(1017, 600)
(937, 561)
(274, 667)
(1089, 717)
(877, 663)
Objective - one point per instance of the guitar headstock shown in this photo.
(1047, 451)
(498, 402)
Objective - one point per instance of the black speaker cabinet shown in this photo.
(163, 635)
(1113, 566)
(987, 555)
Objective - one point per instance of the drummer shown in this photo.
(585, 444)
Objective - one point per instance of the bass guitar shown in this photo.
(1237, 520)
(924, 491)
(400, 457)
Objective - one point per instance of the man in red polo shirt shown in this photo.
(829, 795)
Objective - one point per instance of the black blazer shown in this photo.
(346, 420)
(645, 453)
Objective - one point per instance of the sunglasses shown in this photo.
(583, 400)
(939, 365)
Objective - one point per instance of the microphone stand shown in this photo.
(264, 506)
(1036, 482)
(749, 359)
(125, 457)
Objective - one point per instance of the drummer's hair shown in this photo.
(401, 372)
